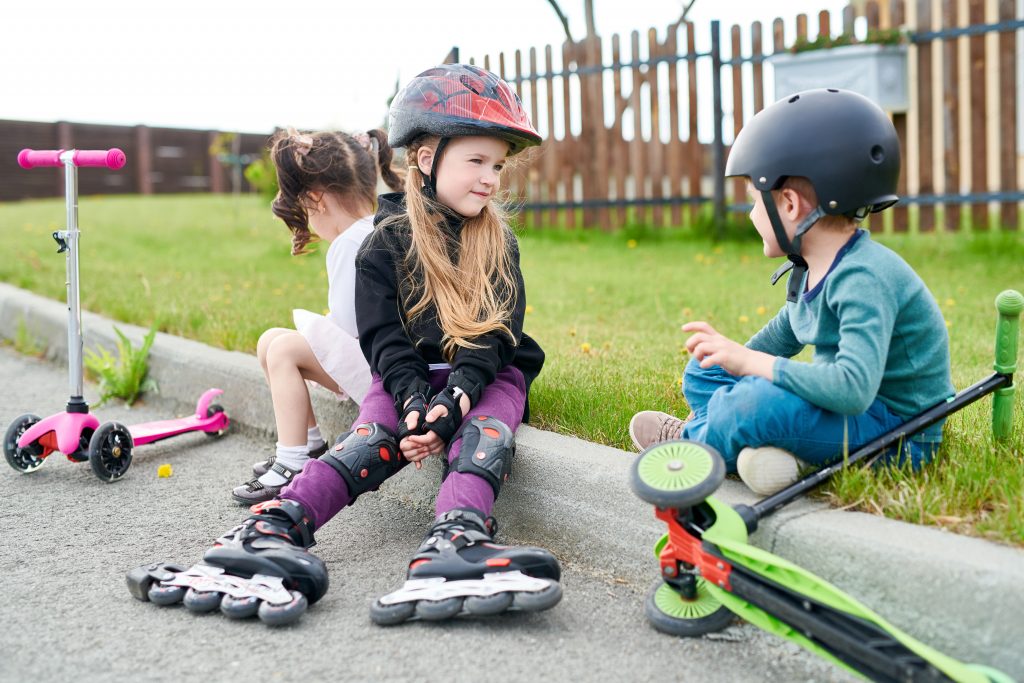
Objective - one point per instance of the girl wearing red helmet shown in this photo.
(439, 312)
(439, 307)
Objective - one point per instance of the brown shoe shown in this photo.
(255, 491)
(649, 427)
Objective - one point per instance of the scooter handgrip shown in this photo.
(102, 158)
(30, 158)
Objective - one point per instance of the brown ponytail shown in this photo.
(326, 162)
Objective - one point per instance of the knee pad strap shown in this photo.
(487, 450)
(365, 457)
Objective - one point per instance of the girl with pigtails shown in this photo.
(327, 190)
(439, 313)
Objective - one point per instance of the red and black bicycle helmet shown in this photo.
(460, 99)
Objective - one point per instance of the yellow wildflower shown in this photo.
(744, 319)
(585, 347)
(529, 308)
(951, 302)
(631, 244)
(761, 310)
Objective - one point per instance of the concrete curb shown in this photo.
(963, 596)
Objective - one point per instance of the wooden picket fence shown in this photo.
(622, 118)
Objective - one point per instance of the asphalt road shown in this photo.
(68, 539)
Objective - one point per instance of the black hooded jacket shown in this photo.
(400, 352)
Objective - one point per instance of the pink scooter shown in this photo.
(75, 432)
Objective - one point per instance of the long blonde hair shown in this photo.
(474, 296)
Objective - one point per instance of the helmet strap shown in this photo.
(432, 180)
(791, 248)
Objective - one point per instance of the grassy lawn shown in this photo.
(606, 309)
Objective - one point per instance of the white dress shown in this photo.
(334, 338)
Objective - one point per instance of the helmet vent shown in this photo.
(877, 154)
(831, 89)
(794, 98)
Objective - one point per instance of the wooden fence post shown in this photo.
(718, 148)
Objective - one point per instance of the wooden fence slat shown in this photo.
(824, 23)
(618, 156)
(900, 214)
(534, 174)
(552, 148)
(979, 109)
(739, 185)
(1009, 215)
(637, 158)
(601, 153)
(695, 150)
(801, 27)
(926, 184)
(757, 50)
(674, 149)
(951, 113)
(656, 168)
(569, 158)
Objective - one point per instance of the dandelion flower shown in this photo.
(761, 310)
(744, 319)
(718, 250)
(631, 244)
(572, 331)
(585, 347)
(949, 324)
(950, 302)
(529, 308)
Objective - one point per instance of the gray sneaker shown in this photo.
(255, 491)
(649, 427)
(261, 468)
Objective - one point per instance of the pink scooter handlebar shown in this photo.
(100, 158)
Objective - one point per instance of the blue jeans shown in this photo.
(731, 413)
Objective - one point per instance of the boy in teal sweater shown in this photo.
(821, 159)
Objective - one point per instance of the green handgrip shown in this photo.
(1009, 304)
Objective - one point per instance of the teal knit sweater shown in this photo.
(877, 332)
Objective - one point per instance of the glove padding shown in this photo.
(417, 404)
(445, 427)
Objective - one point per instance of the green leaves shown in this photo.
(123, 376)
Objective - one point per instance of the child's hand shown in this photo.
(416, 447)
(710, 347)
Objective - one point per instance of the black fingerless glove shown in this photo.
(417, 404)
(445, 427)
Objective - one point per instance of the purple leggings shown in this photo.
(323, 493)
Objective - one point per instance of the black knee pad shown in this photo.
(365, 457)
(487, 451)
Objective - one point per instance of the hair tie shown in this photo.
(301, 143)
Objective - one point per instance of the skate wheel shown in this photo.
(437, 610)
(201, 601)
(212, 410)
(485, 605)
(165, 595)
(677, 474)
(389, 615)
(279, 615)
(670, 613)
(28, 459)
(110, 451)
(240, 608)
(535, 601)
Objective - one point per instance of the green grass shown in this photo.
(605, 308)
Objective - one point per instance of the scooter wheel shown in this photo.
(670, 613)
(29, 458)
(677, 474)
(212, 410)
(110, 451)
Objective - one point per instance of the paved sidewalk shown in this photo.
(961, 595)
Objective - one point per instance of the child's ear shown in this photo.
(425, 159)
(793, 205)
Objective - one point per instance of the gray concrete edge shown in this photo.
(963, 596)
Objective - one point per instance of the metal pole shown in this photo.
(718, 149)
(70, 238)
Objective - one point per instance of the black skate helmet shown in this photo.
(842, 142)
(459, 99)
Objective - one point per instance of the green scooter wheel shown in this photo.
(670, 613)
(677, 474)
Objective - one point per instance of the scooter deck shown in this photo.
(791, 602)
